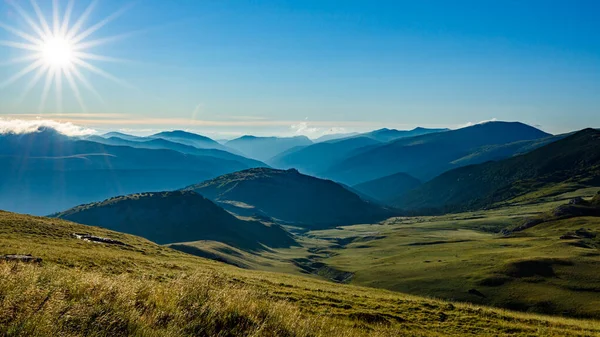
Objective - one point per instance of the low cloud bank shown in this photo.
(19, 126)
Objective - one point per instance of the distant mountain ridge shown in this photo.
(292, 197)
(426, 156)
(172, 217)
(265, 148)
(574, 159)
(46, 171)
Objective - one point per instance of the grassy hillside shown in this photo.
(292, 197)
(141, 289)
(388, 188)
(573, 161)
(504, 257)
(426, 156)
(169, 217)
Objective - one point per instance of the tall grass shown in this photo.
(50, 301)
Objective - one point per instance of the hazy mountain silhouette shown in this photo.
(190, 139)
(46, 171)
(317, 158)
(334, 136)
(265, 148)
(574, 159)
(388, 188)
(385, 135)
(426, 156)
(171, 217)
(160, 143)
(293, 197)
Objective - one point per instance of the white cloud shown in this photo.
(303, 128)
(481, 122)
(19, 126)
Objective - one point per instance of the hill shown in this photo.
(191, 139)
(46, 172)
(265, 148)
(292, 197)
(143, 289)
(386, 135)
(388, 188)
(317, 158)
(574, 160)
(426, 156)
(171, 217)
(160, 143)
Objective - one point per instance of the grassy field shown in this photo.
(142, 289)
(463, 257)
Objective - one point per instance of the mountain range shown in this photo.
(265, 148)
(573, 160)
(290, 197)
(173, 217)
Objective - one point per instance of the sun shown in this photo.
(58, 50)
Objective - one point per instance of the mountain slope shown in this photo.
(265, 148)
(143, 289)
(426, 156)
(190, 139)
(160, 143)
(315, 159)
(293, 197)
(386, 135)
(171, 217)
(46, 172)
(574, 160)
(387, 188)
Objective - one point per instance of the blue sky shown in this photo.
(225, 68)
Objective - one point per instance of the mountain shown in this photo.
(292, 197)
(385, 135)
(426, 156)
(190, 139)
(574, 160)
(45, 171)
(334, 136)
(387, 188)
(265, 148)
(171, 217)
(160, 143)
(319, 157)
(120, 135)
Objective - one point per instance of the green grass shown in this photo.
(143, 289)
(446, 256)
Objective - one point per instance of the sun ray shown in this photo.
(105, 40)
(27, 18)
(21, 73)
(42, 18)
(100, 24)
(75, 89)
(86, 83)
(21, 34)
(46, 91)
(77, 26)
(101, 72)
(21, 59)
(67, 18)
(96, 57)
(55, 17)
(41, 71)
(58, 89)
(19, 45)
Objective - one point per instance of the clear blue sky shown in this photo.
(224, 68)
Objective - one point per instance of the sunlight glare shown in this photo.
(57, 52)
